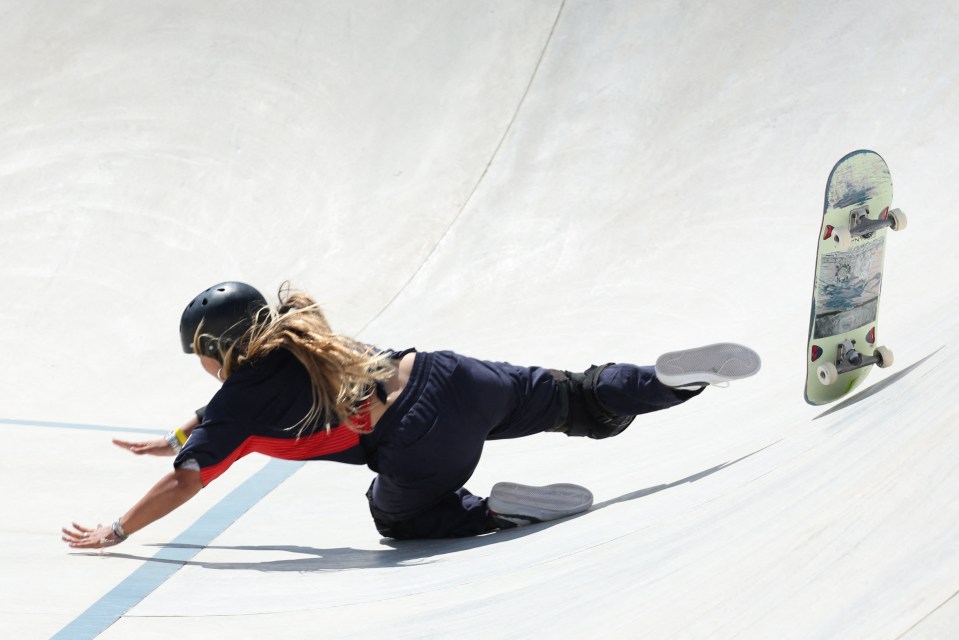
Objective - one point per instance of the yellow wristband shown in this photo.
(180, 436)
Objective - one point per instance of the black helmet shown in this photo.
(226, 310)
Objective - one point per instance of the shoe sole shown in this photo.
(712, 364)
(540, 504)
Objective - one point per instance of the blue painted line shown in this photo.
(168, 560)
(77, 425)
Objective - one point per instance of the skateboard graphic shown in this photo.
(843, 322)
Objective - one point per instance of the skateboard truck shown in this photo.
(862, 226)
(848, 359)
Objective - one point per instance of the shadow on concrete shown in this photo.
(399, 553)
(879, 386)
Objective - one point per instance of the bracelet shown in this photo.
(119, 532)
(173, 441)
(180, 436)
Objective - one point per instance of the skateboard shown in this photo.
(857, 214)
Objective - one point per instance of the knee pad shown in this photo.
(581, 411)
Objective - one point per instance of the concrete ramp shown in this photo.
(557, 183)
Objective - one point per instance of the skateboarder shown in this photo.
(294, 389)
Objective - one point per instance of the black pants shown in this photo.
(428, 443)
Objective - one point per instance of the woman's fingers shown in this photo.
(135, 447)
(76, 534)
(81, 537)
(155, 447)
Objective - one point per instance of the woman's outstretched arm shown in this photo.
(173, 490)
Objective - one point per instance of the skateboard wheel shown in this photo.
(884, 354)
(827, 373)
(899, 219)
(842, 237)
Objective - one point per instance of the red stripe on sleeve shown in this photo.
(315, 445)
(322, 443)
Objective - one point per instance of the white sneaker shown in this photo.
(712, 364)
(515, 505)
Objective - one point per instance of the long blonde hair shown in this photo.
(343, 372)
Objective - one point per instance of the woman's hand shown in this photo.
(173, 489)
(80, 537)
(158, 447)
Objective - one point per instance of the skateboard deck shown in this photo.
(844, 318)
